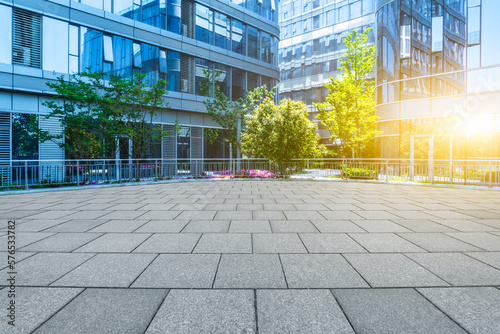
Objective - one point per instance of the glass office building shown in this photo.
(174, 40)
(438, 79)
(311, 46)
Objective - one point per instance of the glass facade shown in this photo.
(430, 71)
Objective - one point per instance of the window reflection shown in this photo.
(238, 37)
(204, 24)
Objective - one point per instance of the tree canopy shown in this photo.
(349, 110)
(94, 112)
(280, 132)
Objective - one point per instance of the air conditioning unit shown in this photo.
(184, 30)
(184, 85)
(21, 55)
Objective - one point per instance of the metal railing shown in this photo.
(52, 173)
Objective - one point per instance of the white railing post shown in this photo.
(26, 174)
(77, 173)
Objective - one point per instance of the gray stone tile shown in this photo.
(336, 226)
(158, 215)
(41, 215)
(61, 242)
(438, 242)
(319, 271)
(374, 215)
(207, 226)
(458, 269)
(114, 243)
(18, 257)
(119, 226)
(250, 226)
(95, 311)
(95, 206)
(250, 271)
(300, 311)
(178, 271)
(250, 207)
(25, 238)
(274, 215)
(126, 207)
(480, 213)
(77, 225)
(339, 215)
(169, 243)
(422, 225)
(37, 225)
(373, 207)
(190, 215)
(162, 226)
(465, 225)
(280, 207)
(230, 215)
(380, 226)
(107, 270)
(205, 311)
(392, 270)
(330, 243)
(292, 226)
(85, 214)
(384, 243)
(120, 215)
(449, 214)
(393, 311)
(35, 306)
(413, 214)
(485, 241)
(277, 243)
(341, 206)
(491, 258)
(310, 207)
(301, 215)
(44, 268)
(475, 309)
(224, 243)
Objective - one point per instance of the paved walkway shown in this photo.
(255, 256)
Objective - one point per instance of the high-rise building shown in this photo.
(175, 40)
(311, 46)
(438, 79)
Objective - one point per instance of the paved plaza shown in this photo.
(254, 257)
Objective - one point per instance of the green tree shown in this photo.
(280, 132)
(222, 109)
(349, 110)
(94, 112)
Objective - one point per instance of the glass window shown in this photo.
(204, 24)
(238, 87)
(91, 49)
(204, 77)
(163, 61)
(368, 6)
(154, 12)
(150, 62)
(24, 139)
(355, 9)
(137, 55)
(174, 16)
(254, 5)
(123, 8)
(267, 10)
(343, 13)
(123, 56)
(6, 36)
(221, 78)
(174, 71)
(473, 56)
(437, 34)
(252, 81)
(474, 25)
(108, 48)
(93, 3)
(253, 42)
(183, 143)
(266, 47)
(238, 37)
(222, 30)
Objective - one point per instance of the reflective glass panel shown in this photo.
(266, 47)
(24, 139)
(6, 36)
(238, 37)
(174, 16)
(93, 3)
(222, 30)
(237, 84)
(55, 45)
(253, 42)
(108, 48)
(489, 33)
(204, 77)
(137, 55)
(204, 24)
(174, 71)
(91, 49)
(123, 56)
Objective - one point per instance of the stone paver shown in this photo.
(244, 256)
(300, 311)
(205, 311)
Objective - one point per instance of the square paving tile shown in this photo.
(25, 238)
(465, 225)
(125, 215)
(77, 225)
(380, 226)
(205, 311)
(330, 243)
(85, 215)
(162, 226)
(392, 270)
(336, 226)
(491, 258)
(250, 226)
(485, 241)
(292, 226)
(35, 306)
(114, 243)
(300, 311)
(422, 225)
(458, 269)
(274, 215)
(413, 214)
(36, 225)
(207, 226)
(178, 271)
(319, 271)
(96, 311)
(438, 242)
(475, 309)
(107, 270)
(190, 215)
(169, 243)
(250, 271)
(301, 215)
(158, 215)
(339, 215)
(384, 243)
(44, 268)
(224, 243)
(230, 215)
(393, 311)
(119, 226)
(61, 242)
(277, 243)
